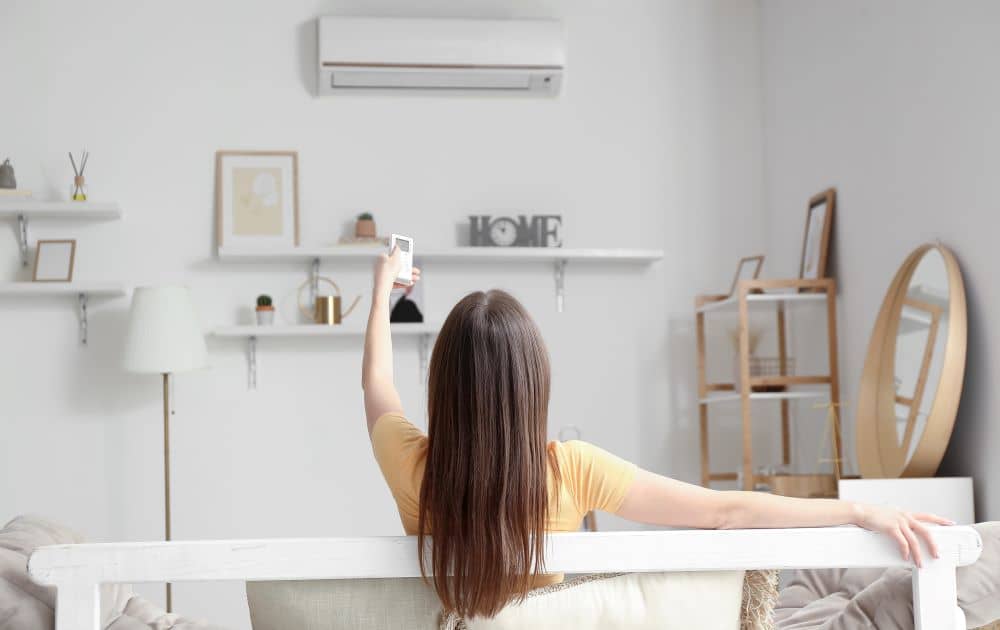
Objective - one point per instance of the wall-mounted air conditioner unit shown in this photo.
(440, 54)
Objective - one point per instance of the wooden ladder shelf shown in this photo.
(780, 292)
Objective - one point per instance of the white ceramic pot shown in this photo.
(265, 317)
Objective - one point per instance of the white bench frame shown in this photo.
(78, 570)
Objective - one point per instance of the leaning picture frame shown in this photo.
(256, 200)
(747, 269)
(816, 240)
(54, 261)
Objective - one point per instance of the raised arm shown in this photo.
(660, 500)
(381, 396)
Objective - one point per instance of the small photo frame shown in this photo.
(257, 199)
(747, 269)
(816, 242)
(54, 261)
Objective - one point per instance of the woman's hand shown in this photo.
(387, 267)
(903, 527)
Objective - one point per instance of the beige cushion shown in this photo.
(664, 601)
(636, 601)
(389, 604)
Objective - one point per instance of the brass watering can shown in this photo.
(327, 309)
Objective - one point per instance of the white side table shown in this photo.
(950, 497)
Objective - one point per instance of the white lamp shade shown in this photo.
(164, 335)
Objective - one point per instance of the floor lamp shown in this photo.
(164, 337)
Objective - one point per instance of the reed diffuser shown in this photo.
(79, 184)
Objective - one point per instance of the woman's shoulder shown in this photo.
(570, 448)
(395, 429)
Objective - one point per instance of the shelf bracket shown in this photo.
(560, 269)
(22, 238)
(252, 362)
(314, 280)
(424, 356)
(82, 312)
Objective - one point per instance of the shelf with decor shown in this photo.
(423, 332)
(23, 210)
(452, 254)
(27, 209)
(558, 256)
(82, 291)
(780, 386)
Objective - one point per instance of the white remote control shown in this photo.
(405, 245)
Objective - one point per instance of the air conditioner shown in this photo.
(440, 54)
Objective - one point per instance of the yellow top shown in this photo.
(592, 478)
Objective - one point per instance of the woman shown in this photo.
(487, 485)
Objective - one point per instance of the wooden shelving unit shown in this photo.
(24, 210)
(789, 387)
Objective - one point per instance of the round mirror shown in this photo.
(913, 372)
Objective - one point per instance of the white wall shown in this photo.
(654, 142)
(895, 104)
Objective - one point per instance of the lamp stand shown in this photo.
(166, 470)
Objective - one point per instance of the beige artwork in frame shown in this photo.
(256, 200)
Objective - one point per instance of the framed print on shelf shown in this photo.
(747, 269)
(257, 200)
(54, 261)
(816, 242)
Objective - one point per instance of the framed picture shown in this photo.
(54, 261)
(257, 199)
(748, 269)
(816, 242)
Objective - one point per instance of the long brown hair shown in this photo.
(484, 500)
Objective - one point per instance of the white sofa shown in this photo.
(78, 570)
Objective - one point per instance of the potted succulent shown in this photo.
(365, 226)
(265, 310)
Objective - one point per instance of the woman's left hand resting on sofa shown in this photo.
(660, 500)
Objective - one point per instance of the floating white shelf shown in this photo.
(92, 289)
(733, 303)
(454, 254)
(790, 395)
(24, 209)
(422, 332)
(558, 256)
(317, 330)
(82, 291)
(77, 210)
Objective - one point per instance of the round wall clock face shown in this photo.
(503, 232)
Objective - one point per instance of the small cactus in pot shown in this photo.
(265, 310)
(364, 227)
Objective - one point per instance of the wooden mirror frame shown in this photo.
(879, 453)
